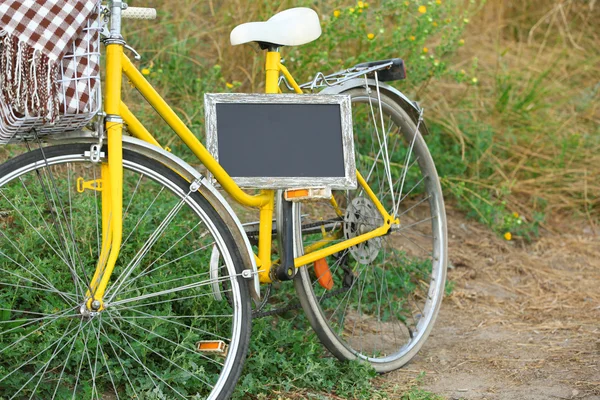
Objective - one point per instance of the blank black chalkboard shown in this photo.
(280, 140)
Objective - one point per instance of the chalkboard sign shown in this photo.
(282, 141)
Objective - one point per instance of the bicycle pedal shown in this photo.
(323, 274)
(296, 195)
(217, 347)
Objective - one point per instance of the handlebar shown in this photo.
(138, 13)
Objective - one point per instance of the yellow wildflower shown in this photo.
(434, 23)
(360, 4)
(360, 10)
(461, 42)
(508, 236)
(438, 1)
(466, 20)
(425, 49)
(337, 13)
(366, 5)
(371, 36)
(229, 85)
(352, 11)
(474, 80)
(411, 38)
(406, 3)
(422, 9)
(145, 71)
(516, 214)
(462, 72)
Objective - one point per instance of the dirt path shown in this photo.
(523, 321)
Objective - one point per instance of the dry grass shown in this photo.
(546, 292)
(546, 143)
(522, 320)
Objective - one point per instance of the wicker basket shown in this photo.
(79, 91)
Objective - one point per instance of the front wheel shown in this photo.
(177, 318)
(378, 301)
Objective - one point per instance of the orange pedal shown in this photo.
(323, 274)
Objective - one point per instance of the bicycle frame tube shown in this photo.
(118, 62)
(112, 176)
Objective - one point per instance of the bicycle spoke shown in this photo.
(33, 288)
(70, 231)
(138, 360)
(405, 227)
(148, 271)
(133, 230)
(65, 296)
(34, 357)
(54, 239)
(45, 367)
(135, 190)
(66, 362)
(80, 366)
(187, 277)
(412, 145)
(187, 327)
(195, 353)
(52, 319)
(109, 341)
(11, 242)
(171, 300)
(110, 375)
(154, 237)
(169, 291)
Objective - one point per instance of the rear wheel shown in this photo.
(378, 301)
(164, 333)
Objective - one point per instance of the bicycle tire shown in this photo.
(356, 318)
(145, 343)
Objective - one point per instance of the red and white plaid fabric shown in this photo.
(34, 37)
(80, 63)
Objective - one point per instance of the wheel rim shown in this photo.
(145, 342)
(386, 291)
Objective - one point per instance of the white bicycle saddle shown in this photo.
(291, 27)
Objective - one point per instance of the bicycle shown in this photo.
(125, 272)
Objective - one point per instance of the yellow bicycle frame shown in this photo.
(117, 64)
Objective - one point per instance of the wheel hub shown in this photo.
(362, 217)
(87, 313)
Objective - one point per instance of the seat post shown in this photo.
(272, 70)
(286, 270)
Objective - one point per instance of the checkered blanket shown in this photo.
(35, 35)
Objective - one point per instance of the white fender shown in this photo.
(412, 108)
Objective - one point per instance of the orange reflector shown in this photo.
(212, 346)
(323, 274)
(293, 194)
(308, 194)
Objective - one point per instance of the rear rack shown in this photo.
(386, 70)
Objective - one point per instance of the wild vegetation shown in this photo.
(510, 92)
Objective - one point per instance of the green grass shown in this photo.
(286, 357)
